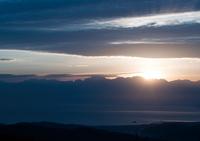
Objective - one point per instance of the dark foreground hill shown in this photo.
(59, 132)
(168, 131)
(44, 131)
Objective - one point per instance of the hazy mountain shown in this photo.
(36, 100)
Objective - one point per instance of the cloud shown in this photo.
(140, 42)
(42, 63)
(159, 41)
(97, 43)
(169, 19)
(85, 27)
(6, 59)
(58, 77)
(159, 20)
(154, 20)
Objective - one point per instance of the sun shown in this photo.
(152, 75)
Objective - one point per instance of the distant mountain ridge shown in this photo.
(52, 100)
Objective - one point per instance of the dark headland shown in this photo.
(46, 131)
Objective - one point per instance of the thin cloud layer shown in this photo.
(6, 60)
(40, 63)
(157, 41)
(171, 19)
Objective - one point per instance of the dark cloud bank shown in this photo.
(71, 101)
(29, 25)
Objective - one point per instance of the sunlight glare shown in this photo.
(152, 75)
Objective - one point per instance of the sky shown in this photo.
(121, 38)
(99, 61)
